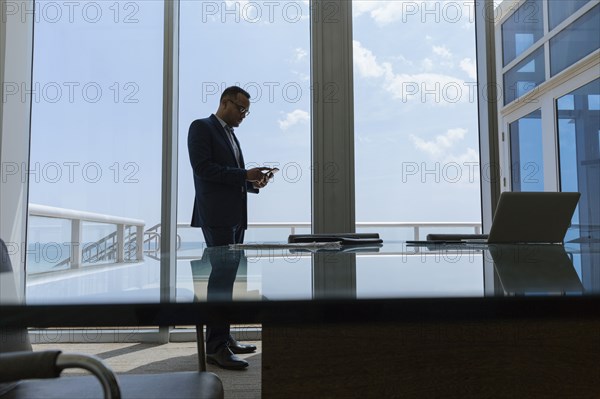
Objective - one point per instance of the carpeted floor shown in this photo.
(140, 358)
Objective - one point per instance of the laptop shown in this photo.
(521, 217)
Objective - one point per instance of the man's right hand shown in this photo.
(256, 174)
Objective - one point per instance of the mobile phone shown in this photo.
(271, 172)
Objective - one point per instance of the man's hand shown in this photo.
(259, 185)
(257, 177)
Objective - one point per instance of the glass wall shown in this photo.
(526, 157)
(578, 120)
(416, 135)
(96, 130)
(264, 48)
(579, 39)
(529, 37)
(233, 35)
(525, 76)
(522, 29)
(569, 43)
(559, 10)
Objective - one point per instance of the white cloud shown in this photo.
(366, 62)
(441, 143)
(469, 156)
(402, 59)
(360, 7)
(469, 66)
(300, 54)
(463, 167)
(293, 118)
(427, 64)
(383, 12)
(433, 88)
(442, 51)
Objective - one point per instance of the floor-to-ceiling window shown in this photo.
(95, 166)
(100, 72)
(578, 122)
(416, 135)
(264, 48)
(97, 96)
(526, 153)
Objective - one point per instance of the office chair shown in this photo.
(28, 374)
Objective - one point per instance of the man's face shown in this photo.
(236, 109)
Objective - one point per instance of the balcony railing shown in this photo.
(153, 234)
(120, 246)
(130, 242)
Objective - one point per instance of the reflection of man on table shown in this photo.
(221, 265)
(220, 208)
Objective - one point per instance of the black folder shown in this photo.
(346, 239)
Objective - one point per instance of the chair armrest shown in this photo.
(16, 366)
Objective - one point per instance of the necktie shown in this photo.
(236, 150)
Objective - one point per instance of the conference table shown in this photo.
(393, 320)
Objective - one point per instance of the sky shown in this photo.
(97, 103)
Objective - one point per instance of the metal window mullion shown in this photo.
(16, 59)
(168, 245)
(549, 144)
(332, 113)
(332, 136)
(546, 17)
(488, 104)
(2, 66)
(546, 23)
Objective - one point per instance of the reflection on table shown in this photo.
(392, 271)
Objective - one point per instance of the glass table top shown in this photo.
(393, 270)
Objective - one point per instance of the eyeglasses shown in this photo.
(243, 110)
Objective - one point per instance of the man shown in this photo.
(220, 208)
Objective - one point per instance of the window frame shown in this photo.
(542, 96)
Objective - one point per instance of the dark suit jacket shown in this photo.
(221, 186)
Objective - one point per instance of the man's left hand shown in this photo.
(261, 183)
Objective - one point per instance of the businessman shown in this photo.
(220, 208)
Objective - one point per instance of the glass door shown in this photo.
(578, 123)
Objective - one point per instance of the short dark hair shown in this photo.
(233, 91)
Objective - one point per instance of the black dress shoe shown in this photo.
(238, 348)
(224, 358)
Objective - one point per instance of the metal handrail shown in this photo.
(153, 233)
(118, 245)
(116, 249)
